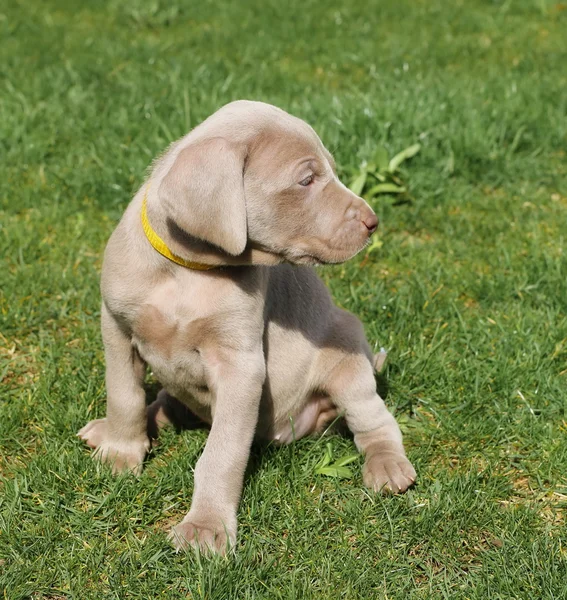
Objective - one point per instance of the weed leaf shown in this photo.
(357, 184)
(335, 471)
(381, 158)
(338, 469)
(403, 155)
(385, 188)
(346, 460)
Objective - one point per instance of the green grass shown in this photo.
(468, 292)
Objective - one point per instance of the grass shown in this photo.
(467, 291)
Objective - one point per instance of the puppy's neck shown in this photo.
(177, 245)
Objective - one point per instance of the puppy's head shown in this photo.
(253, 177)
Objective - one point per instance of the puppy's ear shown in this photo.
(203, 193)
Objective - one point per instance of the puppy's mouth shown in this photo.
(301, 258)
(296, 256)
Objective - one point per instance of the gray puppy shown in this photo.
(207, 280)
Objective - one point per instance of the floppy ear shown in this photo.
(203, 193)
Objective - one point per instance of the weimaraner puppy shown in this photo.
(208, 280)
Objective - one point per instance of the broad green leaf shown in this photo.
(327, 457)
(385, 188)
(358, 182)
(381, 158)
(337, 472)
(403, 155)
(346, 460)
(323, 462)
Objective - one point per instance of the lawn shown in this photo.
(468, 292)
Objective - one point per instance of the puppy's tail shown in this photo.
(379, 360)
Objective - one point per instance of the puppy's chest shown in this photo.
(181, 332)
(171, 343)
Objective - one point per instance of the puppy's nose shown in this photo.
(371, 223)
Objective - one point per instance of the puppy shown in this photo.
(208, 280)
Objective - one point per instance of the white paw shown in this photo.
(122, 455)
(388, 472)
(210, 535)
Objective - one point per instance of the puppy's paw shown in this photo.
(388, 472)
(122, 455)
(210, 536)
(93, 433)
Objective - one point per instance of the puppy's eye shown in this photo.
(307, 181)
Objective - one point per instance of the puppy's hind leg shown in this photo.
(315, 415)
(167, 410)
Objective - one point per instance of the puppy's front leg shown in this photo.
(121, 438)
(219, 474)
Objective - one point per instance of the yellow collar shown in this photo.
(161, 246)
